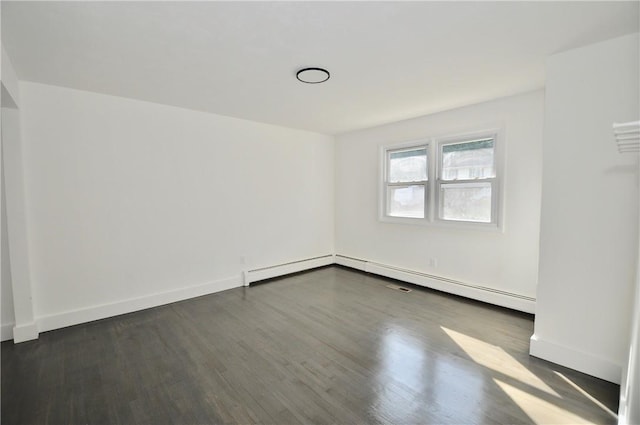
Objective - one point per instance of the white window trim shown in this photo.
(383, 184)
(425, 183)
(432, 193)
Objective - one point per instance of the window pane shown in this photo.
(408, 166)
(466, 202)
(407, 201)
(468, 160)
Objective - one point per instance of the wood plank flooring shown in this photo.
(329, 346)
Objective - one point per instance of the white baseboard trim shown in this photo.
(6, 331)
(575, 359)
(25, 332)
(256, 275)
(476, 292)
(88, 314)
(351, 262)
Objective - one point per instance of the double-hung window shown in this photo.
(407, 182)
(443, 180)
(466, 183)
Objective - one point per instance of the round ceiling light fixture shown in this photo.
(313, 75)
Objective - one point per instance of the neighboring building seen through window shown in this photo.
(465, 184)
(407, 182)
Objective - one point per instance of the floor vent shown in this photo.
(398, 288)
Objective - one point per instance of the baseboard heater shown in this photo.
(452, 286)
(476, 292)
(256, 275)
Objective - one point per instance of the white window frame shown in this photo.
(433, 183)
(423, 144)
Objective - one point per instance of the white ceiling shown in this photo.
(388, 60)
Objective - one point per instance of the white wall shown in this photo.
(506, 260)
(15, 207)
(10, 97)
(588, 240)
(128, 199)
(9, 90)
(629, 409)
(6, 295)
(9, 85)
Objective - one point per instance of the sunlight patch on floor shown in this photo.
(495, 358)
(540, 411)
(587, 395)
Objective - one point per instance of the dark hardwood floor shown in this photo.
(327, 346)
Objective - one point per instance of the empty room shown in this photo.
(320, 212)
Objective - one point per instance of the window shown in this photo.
(466, 180)
(448, 180)
(406, 182)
